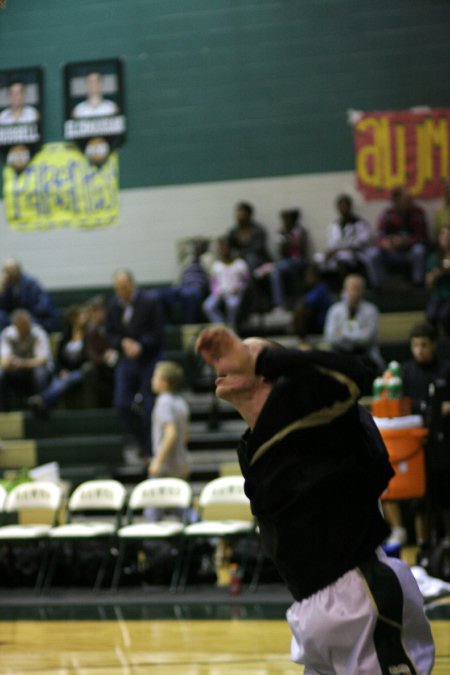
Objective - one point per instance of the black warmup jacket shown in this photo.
(314, 468)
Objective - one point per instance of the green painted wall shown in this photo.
(230, 89)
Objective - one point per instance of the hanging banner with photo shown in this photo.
(20, 116)
(409, 148)
(61, 188)
(94, 116)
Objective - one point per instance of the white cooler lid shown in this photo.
(405, 422)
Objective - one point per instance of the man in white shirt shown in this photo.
(351, 324)
(18, 112)
(95, 105)
(25, 358)
(349, 244)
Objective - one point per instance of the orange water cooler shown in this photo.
(405, 446)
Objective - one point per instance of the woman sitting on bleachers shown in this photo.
(71, 356)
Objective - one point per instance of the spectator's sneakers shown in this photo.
(397, 537)
(423, 556)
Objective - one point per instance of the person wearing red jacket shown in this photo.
(403, 238)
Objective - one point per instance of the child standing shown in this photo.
(170, 422)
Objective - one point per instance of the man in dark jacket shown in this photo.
(314, 467)
(135, 329)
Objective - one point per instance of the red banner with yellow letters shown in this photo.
(402, 148)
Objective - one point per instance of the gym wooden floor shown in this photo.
(113, 644)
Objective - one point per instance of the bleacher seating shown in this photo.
(90, 443)
(93, 443)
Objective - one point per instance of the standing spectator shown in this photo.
(311, 310)
(426, 368)
(135, 329)
(170, 423)
(437, 281)
(102, 358)
(350, 245)
(70, 359)
(351, 324)
(25, 358)
(248, 239)
(228, 281)
(403, 238)
(20, 291)
(442, 214)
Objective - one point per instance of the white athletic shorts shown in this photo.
(371, 621)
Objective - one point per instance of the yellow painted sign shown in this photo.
(402, 148)
(61, 188)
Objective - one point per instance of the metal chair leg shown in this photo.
(53, 559)
(118, 566)
(184, 570)
(102, 569)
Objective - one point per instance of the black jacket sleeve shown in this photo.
(291, 363)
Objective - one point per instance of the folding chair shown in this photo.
(224, 514)
(94, 514)
(161, 494)
(42, 501)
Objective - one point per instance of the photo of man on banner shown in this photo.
(20, 115)
(94, 107)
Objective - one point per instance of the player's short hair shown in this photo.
(273, 344)
(172, 373)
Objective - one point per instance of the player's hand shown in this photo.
(445, 408)
(224, 350)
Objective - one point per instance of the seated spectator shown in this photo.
(311, 310)
(293, 249)
(403, 238)
(437, 280)
(101, 357)
(20, 291)
(70, 359)
(442, 214)
(418, 373)
(229, 279)
(349, 245)
(190, 293)
(248, 239)
(25, 358)
(351, 324)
